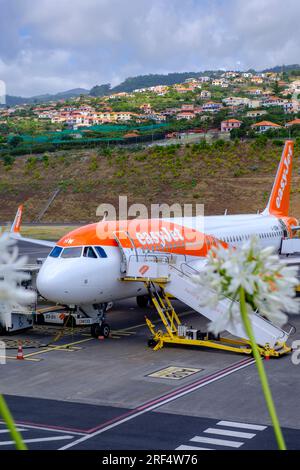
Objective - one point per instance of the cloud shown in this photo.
(51, 45)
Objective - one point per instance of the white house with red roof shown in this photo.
(295, 122)
(264, 126)
(229, 124)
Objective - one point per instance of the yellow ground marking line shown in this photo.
(184, 314)
(57, 348)
(122, 333)
(65, 347)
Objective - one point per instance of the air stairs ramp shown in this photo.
(182, 286)
(176, 276)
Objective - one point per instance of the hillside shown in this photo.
(283, 68)
(132, 83)
(232, 176)
(64, 95)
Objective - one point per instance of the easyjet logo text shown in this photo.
(284, 178)
(162, 237)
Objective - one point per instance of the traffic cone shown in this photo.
(20, 355)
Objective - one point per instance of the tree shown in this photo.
(276, 88)
(15, 140)
(101, 90)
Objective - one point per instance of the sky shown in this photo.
(47, 46)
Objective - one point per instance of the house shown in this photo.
(264, 126)
(205, 95)
(256, 113)
(170, 111)
(230, 74)
(288, 107)
(185, 115)
(236, 101)
(211, 106)
(229, 124)
(257, 80)
(204, 79)
(146, 108)
(181, 89)
(187, 107)
(253, 104)
(273, 101)
(295, 122)
(218, 82)
(295, 87)
(159, 117)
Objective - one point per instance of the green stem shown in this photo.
(261, 372)
(15, 435)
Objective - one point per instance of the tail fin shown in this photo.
(15, 228)
(279, 202)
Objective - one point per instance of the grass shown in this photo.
(45, 232)
(228, 176)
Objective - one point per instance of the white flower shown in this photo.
(12, 295)
(268, 283)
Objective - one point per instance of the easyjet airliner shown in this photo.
(85, 267)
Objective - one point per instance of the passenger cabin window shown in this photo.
(72, 252)
(88, 252)
(101, 252)
(55, 253)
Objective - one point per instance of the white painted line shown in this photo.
(192, 448)
(41, 439)
(217, 442)
(225, 432)
(3, 431)
(159, 404)
(232, 424)
(44, 428)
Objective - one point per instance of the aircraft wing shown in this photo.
(16, 235)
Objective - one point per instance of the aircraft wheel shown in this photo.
(105, 330)
(142, 301)
(100, 330)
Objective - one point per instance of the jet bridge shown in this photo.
(167, 275)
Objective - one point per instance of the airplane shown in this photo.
(85, 267)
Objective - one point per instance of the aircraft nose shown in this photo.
(57, 282)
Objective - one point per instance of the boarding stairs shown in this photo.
(168, 275)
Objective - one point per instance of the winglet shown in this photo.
(15, 228)
(279, 202)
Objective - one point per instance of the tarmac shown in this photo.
(75, 392)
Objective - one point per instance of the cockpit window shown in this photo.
(88, 252)
(55, 253)
(101, 252)
(72, 252)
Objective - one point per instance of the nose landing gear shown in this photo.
(101, 328)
